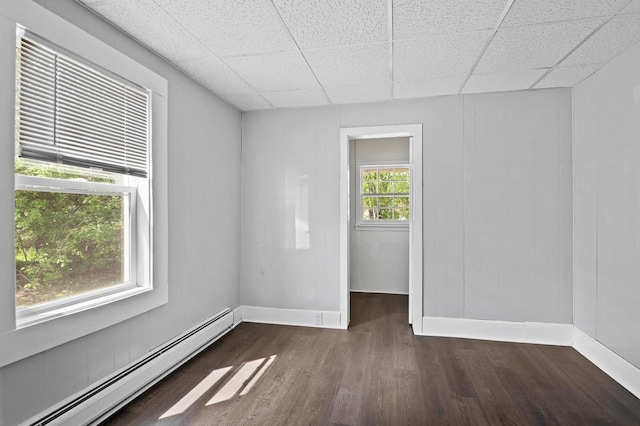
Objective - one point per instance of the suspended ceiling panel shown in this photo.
(565, 76)
(420, 18)
(335, 22)
(437, 56)
(615, 37)
(264, 54)
(351, 65)
(533, 46)
(532, 12)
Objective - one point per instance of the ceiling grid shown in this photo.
(296, 53)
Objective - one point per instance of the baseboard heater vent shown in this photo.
(98, 402)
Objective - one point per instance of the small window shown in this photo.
(384, 197)
(81, 181)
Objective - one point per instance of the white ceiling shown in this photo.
(260, 54)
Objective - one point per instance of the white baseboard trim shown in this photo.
(101, 399)
(608, 361)
(502, 331)
(237, 316)
(297, 317)
(355, 290)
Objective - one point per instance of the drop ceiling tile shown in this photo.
(296, 98)
(633, 7)
(215, 75)
(151, 26)
(88, 2)
(324, 23)
(568, 76)
(248, 101)
(612, 39)
(539, 11)
(502, 81)
(418, 18)
(273, 72)
(536, 46)
(351, 65)
(439, 55)
(232, 27)
(436, 86)
(359, 94)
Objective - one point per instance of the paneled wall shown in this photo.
(204, 238)
(607, 205)
(497, 203)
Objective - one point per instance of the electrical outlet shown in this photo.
(319, 318)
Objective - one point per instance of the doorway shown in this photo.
(379, 193)
(347, 216)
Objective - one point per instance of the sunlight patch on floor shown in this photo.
(231, 388)
(259, 374)
(195, 393)
(243, 380)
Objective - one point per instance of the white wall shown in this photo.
(379, 257)
(204, 235)
(607, 205)
(497, 203)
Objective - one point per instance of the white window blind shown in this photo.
(72, 114)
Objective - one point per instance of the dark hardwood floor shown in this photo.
(378, 373)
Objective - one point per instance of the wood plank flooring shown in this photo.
(378, 373)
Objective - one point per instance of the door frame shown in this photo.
(414, 132)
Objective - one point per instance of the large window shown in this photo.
(81, 181)
(384, 194)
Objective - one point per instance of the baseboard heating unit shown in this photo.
(99, 401)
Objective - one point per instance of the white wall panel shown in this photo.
(387, 113)
(100, 351)
(64, 371)
(330, 288)
(319, 235)
(470, 207)
(565, 210)
(547, 204)
(454, 183)
(522, 207)
(607, 198)
(380, 261)
(428, 120)
(585, 196)
(440, 234)
(504, 204)
(496, 192)
(487, 202)
(138, 336)
(22, 391)
(120, 345)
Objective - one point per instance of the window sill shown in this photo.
(395, 227)
(35, 318)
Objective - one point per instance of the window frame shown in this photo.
(379, 223)
(21, 342)
(46, 310)
(51, 309)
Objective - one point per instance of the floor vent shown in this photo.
(101, 400)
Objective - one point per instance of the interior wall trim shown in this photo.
(295, 317)
(377, 292)
(501, 331)
(237, 316)
(616, 367)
